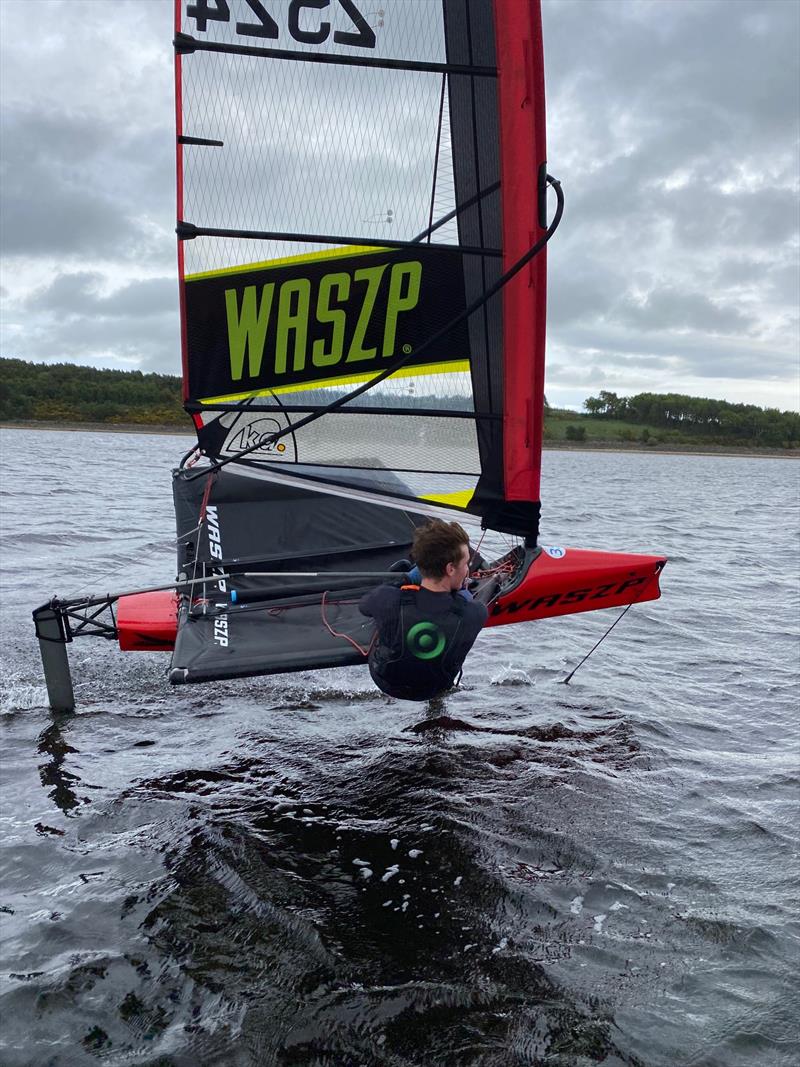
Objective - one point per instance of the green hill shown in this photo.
(654, 419)
(64, 392)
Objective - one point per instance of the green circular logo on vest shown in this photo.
(425, 640)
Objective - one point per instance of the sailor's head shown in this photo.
(441, 551)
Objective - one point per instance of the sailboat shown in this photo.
(363, 213)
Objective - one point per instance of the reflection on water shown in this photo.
(54, 776)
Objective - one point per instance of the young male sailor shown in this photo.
(425, 630)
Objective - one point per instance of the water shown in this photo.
(297, 870)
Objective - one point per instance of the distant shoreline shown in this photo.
(102, 427)
(665, 449)
(635, 447)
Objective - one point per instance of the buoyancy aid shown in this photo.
(425, 658)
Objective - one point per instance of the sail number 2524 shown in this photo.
(306, 21)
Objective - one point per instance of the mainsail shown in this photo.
(350, 182)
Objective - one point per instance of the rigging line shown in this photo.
(456, 211)
(476, 304)
(281, 405)
(335, 633)
(436, 156)
(619, 618)
(83, 603)
(97, 579)
(188, 455)
(475, 552)
(201, 521)
(164, 543)
(267, 606)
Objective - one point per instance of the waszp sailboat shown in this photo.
(362, 221)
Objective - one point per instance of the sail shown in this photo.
(353, 180)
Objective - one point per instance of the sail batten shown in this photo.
(185, 45)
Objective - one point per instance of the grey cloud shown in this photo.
(763, 219)
(71, 187)
(585, 292)
(78, 294)
(153, 296)
(674, 128)
(133, 326)
(590, 376)
(668, 308)
(74, 293)
(691, 355)
(783, 285)
(705, 55)
(148, 343)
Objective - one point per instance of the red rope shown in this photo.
(206, 495)
(335, 633)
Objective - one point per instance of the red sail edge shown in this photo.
(518, 29)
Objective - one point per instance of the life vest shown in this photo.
(424, 661)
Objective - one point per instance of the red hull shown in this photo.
(564, 581)
(147, 622)
(560, 581)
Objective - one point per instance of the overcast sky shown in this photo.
(673, 125)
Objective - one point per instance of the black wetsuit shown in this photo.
(423, 638)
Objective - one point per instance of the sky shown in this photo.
(673, 125)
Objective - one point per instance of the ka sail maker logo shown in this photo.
(244, 437)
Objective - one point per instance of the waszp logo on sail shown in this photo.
(215, 551)
(343, 317)
(336, 317)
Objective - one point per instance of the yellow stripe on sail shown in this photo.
(459, 499)
(457, 366)
(287, 261)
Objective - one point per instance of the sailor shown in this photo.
(425, 628)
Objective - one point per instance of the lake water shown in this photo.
(292, 871)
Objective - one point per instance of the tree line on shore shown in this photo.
(66, 392)
(691, 418)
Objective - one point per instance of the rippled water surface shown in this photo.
(299, 871)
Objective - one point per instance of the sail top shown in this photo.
(351, 179)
